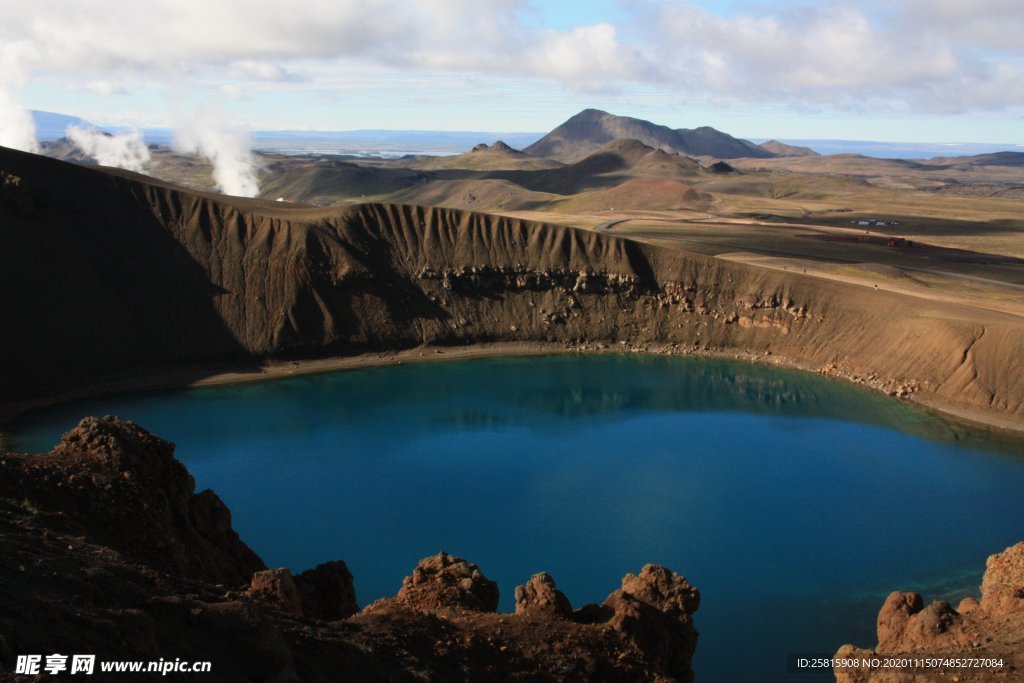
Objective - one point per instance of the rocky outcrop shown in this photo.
(444, 582)
(992, 629)
(327, 591)
(539, 597)
(117, 484)
(276, 588)
(136, 278)
(107, 547)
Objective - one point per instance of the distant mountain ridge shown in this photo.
(51, 126)
(592, 128)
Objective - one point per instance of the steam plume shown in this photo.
(124, 150)
(234, 167)
(17, 129)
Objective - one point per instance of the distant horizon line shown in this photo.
(337, 131)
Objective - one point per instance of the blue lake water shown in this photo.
(794, 503)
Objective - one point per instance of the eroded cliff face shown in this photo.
(985, 630)
(106, 274)
(107, 549)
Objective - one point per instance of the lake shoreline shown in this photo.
(225, 373)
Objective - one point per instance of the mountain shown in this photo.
(50, 126)
(607, 166)
(610, 166)
(323, 181)
(783, 150)
(592, 128)
(483, 157)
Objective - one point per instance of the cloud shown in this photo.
(938, 56)
(234, 167)
(911, 55)
(253, 40)
(103, 87)
(588, 58)
(123, 150)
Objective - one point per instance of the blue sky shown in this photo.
(927, 70)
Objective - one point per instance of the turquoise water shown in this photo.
(795, 503)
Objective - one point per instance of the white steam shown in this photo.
(234, 167)
(124, 150)
(17, 129)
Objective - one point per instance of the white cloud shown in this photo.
(588, 58)
(123, 150)
(104, 87)
(914, 55)
(943, 55)
(258, 41)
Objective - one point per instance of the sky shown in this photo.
(889, 70)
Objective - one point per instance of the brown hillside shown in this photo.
(496, 157)
(327, 181)
(473, 194)
(111, 274)
(637, 194)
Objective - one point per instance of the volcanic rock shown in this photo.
(992, 629)
(106, 546)
(276, 588)
(447, 582)
(327, 591)
(540, 597)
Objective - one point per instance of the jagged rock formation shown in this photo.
(990, 629)
(107, 546)
(540, 597)
(107, 275)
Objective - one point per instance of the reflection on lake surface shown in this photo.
(795, 503)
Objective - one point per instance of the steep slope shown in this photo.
(109, 274)
(592, 128)
(706, 141)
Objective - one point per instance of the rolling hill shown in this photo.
(483, 157)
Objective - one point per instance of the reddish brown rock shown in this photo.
(539, 597)
(277, 589)
(655, 608)
(663, 589)
(1002, 589)
(992, 629)
(447, 582)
